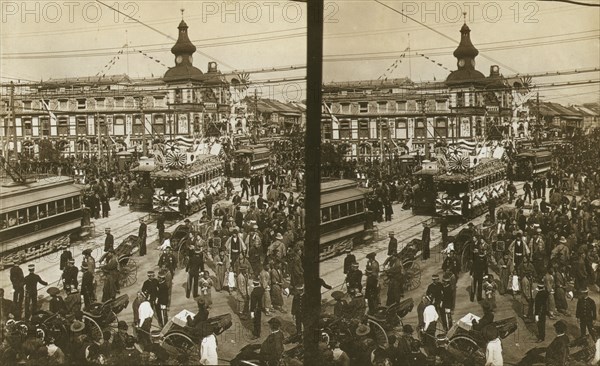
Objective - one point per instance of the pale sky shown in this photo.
(44, 39)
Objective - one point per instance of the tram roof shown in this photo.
(253, 151)
(44, 190)
(341, 196)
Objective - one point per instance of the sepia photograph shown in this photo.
(300, 182)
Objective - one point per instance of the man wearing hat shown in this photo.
(256, 307)
(65, 256)
(561, 252)
(354, 277)
(340, 308)
(73, 300)
(87, 285)
(434, 291)
(540, 309)
(297, 307)
(150, 288)
(451, 263)
(586, 313)
(277, 245)
(168, 260)
(111, 280)
(527, 293)
(18, 282)
(31, 292)
(142, 235)
(557, 353)
(271, 350)
(162, 300)
(447, 302)
(193, 268)
(236, 245)
(89, 260)
(392, 244)
(109, 242)
(350, 258)
(478, 269)
(56, 304)
(372, 287)
(426, 239)
(120, 337)
(69, 275)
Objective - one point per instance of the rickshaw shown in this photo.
(127, 265)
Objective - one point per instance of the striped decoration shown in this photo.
(458, 163)
(448, 207)
(175, 159)
(164, 203)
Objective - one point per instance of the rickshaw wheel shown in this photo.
(467, 351)
(93, 330)
(178, 343)
(128, 273)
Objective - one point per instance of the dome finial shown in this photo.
(465, 17)
(182, 10)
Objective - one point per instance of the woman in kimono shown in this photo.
(221, 265)
(206, 283)
(276, 286)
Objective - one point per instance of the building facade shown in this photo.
(380, 118)
(87, 115)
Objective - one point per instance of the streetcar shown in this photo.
(467, 193)
(459, 194)
(143, 191)
(251, 159)
(188, 182)
(343, 217)
(532, 163)
(36, 218)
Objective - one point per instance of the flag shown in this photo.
(52, 115)
(334, 121)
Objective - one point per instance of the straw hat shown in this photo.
(363, 330)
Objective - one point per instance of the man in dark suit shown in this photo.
(109, 242)
(256, 308)
(142, 235)
(540, 309)
(160, 225)
(354, 278)
(557, 352)
(162, 300)
(31, 291)
(65, 256)
(478, 270)
(426, 239)
(18, 282)
(194, 266)
(393, 244)
(70, 274)
(350, 258)
(586, 313)
(150, 288)
(87, 285)
(271, 349)
(297, 307)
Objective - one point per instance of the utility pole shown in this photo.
(537, 117)
(99, 135)
(143, 118)
(256, 122)
(424, 110)
(312, 153)
(380, 140)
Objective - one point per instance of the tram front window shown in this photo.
(170, 186)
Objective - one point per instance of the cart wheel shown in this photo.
(178, 343)
(378, 333)
(112, 322)
(128, 273)
(93, 330)
(466, 351)
(412, 270)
